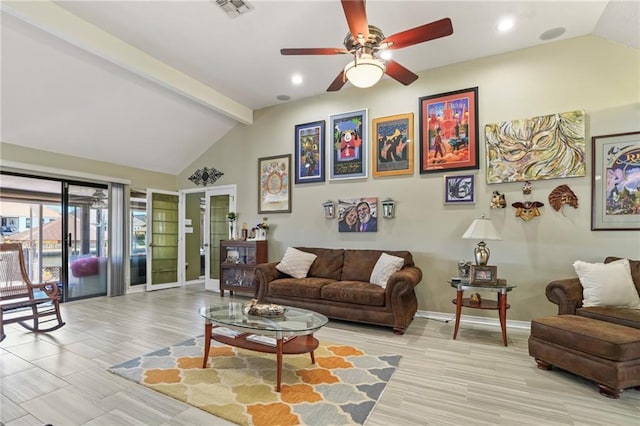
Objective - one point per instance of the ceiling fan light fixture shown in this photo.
(364, 72)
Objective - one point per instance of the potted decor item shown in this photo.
(261, 229)
(231, 218)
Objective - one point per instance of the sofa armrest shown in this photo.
(265, 273)
(566, 293)
(411, 275)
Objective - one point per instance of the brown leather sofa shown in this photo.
(567, 294)
(599, 343)
(338, 286)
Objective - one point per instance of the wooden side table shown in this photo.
(499, 305)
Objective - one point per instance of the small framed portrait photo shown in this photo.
(485, 274)
(459, 189)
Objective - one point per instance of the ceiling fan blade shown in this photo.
(315, 51)
(356, 15)
(400, 73)
(337, 83)
(431, 31)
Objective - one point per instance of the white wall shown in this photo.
(584, 73)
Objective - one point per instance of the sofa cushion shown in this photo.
(354, 292)
(607, 284)
(358, 264)
(384, 268)
(599, 338)
(622, 316)
(296, 262)
(328, 263)
(307, 288)
(634, 266)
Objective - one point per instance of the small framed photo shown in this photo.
(459, 189)
(487, 275)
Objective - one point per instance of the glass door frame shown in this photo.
(212, 284)
(180, 243)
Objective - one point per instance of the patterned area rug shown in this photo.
(342, 388)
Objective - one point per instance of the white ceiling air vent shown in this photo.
(234, 8)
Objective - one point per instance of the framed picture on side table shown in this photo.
(484, 274)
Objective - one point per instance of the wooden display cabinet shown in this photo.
(238, 260)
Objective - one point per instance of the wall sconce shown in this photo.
(388, 208)
(329, 209)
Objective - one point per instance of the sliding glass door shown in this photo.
(86, 239)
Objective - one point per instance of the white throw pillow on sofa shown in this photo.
(296, 262)
(385, 267)
(607, 284)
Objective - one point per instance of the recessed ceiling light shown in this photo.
(506, 24)
(385, 55)
(552, 33)
(296, 79)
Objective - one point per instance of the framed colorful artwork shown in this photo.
(449, 131)
(615, 182)
(348, 159)
(309, 151)
(545, 147)
(274, 195)
(392, 145)
(358, 215)
(459, 189)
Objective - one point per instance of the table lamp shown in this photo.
(481, 229)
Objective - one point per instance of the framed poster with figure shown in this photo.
(392, 145)
(449, 131)
(348, 147)
(309, 151)
(615, 182)
(274, 188)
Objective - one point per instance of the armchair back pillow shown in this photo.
(607, 284)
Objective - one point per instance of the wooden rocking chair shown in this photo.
(21, 300)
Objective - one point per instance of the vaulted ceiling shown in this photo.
(153, 84)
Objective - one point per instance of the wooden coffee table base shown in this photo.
(298, 345)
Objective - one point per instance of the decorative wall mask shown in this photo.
(205, 176)
(527, 210)
(545, 147)
(498, 201)
(562, 195)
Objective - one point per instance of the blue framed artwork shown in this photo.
(459, 189)
(310, 152)
(348, 159)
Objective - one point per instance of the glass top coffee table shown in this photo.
(289, 333)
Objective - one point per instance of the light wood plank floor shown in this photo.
(61, 378)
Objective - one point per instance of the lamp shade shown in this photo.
(481, 229)
(364, 71)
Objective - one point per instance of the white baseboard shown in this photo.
(494, 322)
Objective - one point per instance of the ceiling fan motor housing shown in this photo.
(372, 42)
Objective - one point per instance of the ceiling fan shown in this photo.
(365, 41)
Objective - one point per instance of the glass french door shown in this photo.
(163, 237)
(219, 202)
(86, 240)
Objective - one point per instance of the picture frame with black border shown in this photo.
(459, 189)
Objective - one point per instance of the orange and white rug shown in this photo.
(342, 388)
